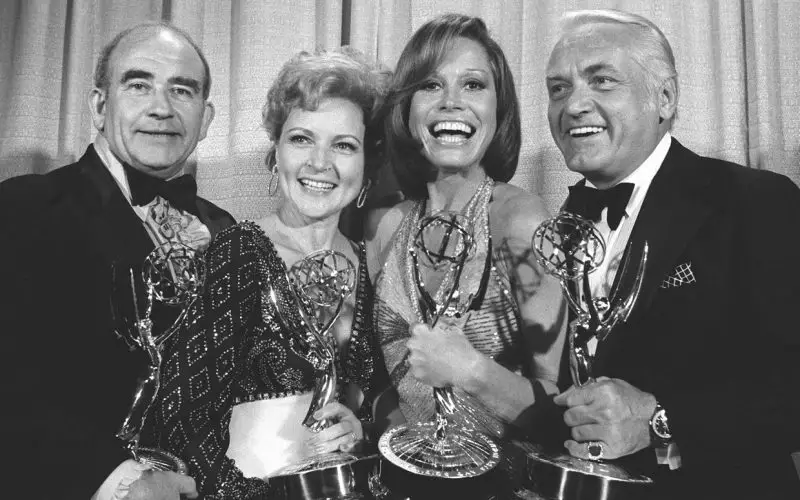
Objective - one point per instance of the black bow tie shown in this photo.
(589, 202)
(181, 192)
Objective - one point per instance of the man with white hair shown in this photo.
(698, 389)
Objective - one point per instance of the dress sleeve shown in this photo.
(201, 366)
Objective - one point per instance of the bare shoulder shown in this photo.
(381, 223)
(516, 213)
(380, 227)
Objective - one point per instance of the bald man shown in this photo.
(69, 238)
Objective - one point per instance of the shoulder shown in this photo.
(516, 213)
(238, 244)
(382, 222)
(36, 196)
(751, 189)
(214, 213)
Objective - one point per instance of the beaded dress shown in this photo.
(492, 323)
(231, 350)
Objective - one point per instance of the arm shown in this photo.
(514, 217)
(763, 376)
(201, 366)
(732, 392)
(49, 325)
(380, 227)
(440, 357)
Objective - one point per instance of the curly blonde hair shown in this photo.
(311, 77)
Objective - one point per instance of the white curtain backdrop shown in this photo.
(738, 62)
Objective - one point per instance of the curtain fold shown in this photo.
(737, 62)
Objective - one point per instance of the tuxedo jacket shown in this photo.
(67, 379)
(714, 334)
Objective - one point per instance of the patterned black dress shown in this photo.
(231, 350)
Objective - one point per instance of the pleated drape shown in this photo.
(738, 62)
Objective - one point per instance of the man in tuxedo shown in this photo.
(698, 389)
(70, 239)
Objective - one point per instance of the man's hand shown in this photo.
(156, 485)
(610, 411)
(442, 357)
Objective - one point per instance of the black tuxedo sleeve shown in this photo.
(54, 449)
(745, 408)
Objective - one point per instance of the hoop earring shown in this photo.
(362, 195)
(273, 181)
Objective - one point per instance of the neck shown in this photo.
(306, 236)
(453, 191)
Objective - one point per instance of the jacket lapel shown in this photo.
(116, 231)
(674, 209)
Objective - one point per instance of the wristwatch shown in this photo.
(660, 435)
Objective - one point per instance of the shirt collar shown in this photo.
(113, 165)
(643, 175)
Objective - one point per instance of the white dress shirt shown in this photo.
(602, 279)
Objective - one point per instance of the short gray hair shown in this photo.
(654, 53)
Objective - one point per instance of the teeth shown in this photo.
(317, 185)
(585, 130)
(452, 139)
(453, 126)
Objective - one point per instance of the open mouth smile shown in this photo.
(451, 132)
(585, 131)
(317, 185)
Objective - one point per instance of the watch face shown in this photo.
(660, 425)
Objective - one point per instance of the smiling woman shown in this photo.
(262, 362)
(453, 140)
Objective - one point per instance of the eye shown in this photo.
(346, 146)
(430, 86)
(474, 85)
(299, 139)
(557, 90)
(138, 86)
(603, 81)
(183, 91)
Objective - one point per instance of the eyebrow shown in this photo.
(588, 70)
(185, 81)
(594, 68)
(134, 74)
(312, 134)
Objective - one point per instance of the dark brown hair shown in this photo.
(422, 55)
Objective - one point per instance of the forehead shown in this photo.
(466, 54)
(333, 115)
(159, 51)
(592, 45)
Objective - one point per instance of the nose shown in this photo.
(320, 159)
(579, 101)
(451, 98)
(161, 105)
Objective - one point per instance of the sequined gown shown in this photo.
(492, 325)
(232, 350)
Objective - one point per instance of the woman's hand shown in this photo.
(345, 433)
(442, 356)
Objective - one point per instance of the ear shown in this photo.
(97, 106)
(208, 116)
(668, 98)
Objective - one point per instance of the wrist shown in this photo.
(660, 432)
(475, 374)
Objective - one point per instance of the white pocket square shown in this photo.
(680, 276)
